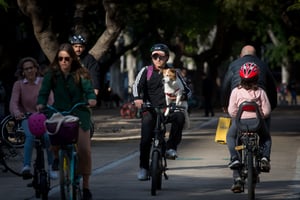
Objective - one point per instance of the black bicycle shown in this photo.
(11, 158)
(41, 178)
(248, 147)
(12, 131)
(158, 161)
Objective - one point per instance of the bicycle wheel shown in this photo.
(156, 174)
(12, 132)
(44, 185)
(75, 179)
(64, 176)
(12, 158)
(250, 177)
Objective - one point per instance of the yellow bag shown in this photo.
(222, 129)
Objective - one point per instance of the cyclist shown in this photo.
(248, 90)
(71, 84)
(23, 99)
(87, 60)
(232, 79)
(148, 87)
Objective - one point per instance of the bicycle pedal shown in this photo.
(240, 147)
(166, 176)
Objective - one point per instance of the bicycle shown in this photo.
(158, 161)
(248, 147)
(12, 131)
(11, 158)
(68, 159)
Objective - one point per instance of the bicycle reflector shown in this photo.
(250, 108)
(36, 124)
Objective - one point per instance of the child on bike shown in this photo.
(248, 90)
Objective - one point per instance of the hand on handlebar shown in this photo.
(138, 103)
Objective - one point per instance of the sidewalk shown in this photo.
(109, 125)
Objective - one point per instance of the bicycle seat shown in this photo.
(247, 125)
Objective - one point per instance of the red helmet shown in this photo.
(249, 70)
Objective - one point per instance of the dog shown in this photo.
(173, 89)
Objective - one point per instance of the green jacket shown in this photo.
(67, 94)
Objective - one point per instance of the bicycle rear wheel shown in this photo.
(12, 158)
(12, 132)
(156, 173)
(250, 178)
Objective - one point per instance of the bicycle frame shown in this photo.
(248, 139)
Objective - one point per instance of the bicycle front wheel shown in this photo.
(65, 176)
(156, 173)
(12, 158)
(250, 177)
(12, 132)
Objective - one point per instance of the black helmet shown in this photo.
(77, 39)
(160, 47)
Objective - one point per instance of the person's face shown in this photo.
(64, 61)
(29, 70)
(159, 59)
(78, 48)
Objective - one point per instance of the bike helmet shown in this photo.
(77, 39)
(160, 47)
(249, 70)
(36, 124)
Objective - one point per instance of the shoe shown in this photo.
(86, 194)
(171, 154)
(234, 164)
(143, 174)
(55, 164)
(237, 186)
(265, 165)
(26, 174)
(53, 174)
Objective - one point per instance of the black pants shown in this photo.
(148, 123)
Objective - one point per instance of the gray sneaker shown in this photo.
(171, 154)
(143, 174)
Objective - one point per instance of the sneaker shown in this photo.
(265, 165)
(237, 186)
(143, 174)
(26, 174)
(53, 174)
(234, 164)
(55, 164)
(86, 194)
(171, 154)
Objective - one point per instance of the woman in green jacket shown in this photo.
(71, 84)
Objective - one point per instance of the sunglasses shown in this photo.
(67, 59)
(28, 68)
(157, 56)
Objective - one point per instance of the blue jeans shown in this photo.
(29, 144)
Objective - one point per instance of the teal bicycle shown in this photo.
(66, 139)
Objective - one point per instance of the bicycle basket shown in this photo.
(62, 130)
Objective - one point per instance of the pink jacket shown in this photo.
(239, 95)
(24, 96)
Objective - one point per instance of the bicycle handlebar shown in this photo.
(69, 111)
(172, 106)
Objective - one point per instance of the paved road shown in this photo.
(200, 172)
